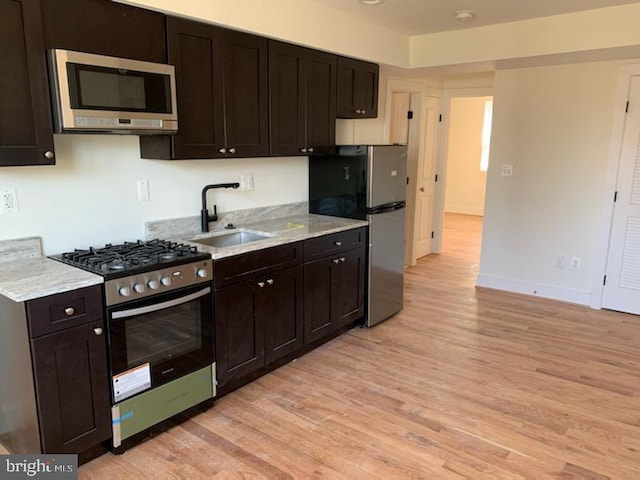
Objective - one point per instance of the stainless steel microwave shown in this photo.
(100, 94)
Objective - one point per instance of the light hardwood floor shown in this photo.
(463, 383)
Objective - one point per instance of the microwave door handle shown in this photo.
(160, 306)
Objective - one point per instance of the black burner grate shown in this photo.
(132, 257)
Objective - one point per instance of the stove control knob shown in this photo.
(153, 284)
(124, 291)
(166, 281)
(202, 273)
(138, 287)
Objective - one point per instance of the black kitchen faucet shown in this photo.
(205, 218)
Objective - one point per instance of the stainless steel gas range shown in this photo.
(159, 316)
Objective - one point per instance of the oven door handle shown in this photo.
(160, 306)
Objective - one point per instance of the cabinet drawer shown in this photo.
(64, 310)
(241, 267)
(335, 242)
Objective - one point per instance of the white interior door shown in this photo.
(622, 288)
(423, 215)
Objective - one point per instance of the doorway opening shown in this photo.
(466, 160)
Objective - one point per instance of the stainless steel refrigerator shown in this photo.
(368, 182)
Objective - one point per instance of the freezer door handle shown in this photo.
(387, 207)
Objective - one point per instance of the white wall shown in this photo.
(465, 181)
(553, 124)
(90, 196)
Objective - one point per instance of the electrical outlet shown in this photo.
(9, 200)
(575, 263)
(246, 182)
(560, 261)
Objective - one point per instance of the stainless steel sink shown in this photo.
(229, 239)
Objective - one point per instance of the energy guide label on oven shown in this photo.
(132, 381)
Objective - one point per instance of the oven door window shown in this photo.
(171, 333)
(158, 337)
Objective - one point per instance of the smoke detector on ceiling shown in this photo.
(371, 2)
(464, 15)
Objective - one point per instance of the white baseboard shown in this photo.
(461, 209)
(535, 289)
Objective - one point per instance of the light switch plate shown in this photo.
(143, 190)
(506, 170)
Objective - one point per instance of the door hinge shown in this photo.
(440, 118)
(626, 109)
(436, 179)
(604, 281)
(409, 114)
(615, 197)
(433, 235)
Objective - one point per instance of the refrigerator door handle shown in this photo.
(387, 207)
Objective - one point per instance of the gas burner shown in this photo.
(112, 261)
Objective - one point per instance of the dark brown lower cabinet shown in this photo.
(53, 360)
(334, 289)
(257, 322)
(72, 388)
(270, 305)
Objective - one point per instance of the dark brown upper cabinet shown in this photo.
(26, 131)
(357, 88)
(221, 83)
(302, 89)
(105, 28)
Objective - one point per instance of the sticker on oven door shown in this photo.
(132, 381)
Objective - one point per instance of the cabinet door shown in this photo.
(246, 95)
(26, 131)
(72, 387)
(195, 50)
(318, 299)
(283, 313)
(349, 287)
(287, 92)
(105, 28)
(239, 331)
(321, 102)
(357, 95)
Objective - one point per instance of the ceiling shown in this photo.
(416, 17)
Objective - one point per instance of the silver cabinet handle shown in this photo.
(270, 281)
(69, 311)
(310, 149)
(261, 284)
(222, 150)
(363, 112)
(232, 150)
(338, 243)
(98, 331)
(303, 150)
(342, 259)
(48, 154)
(336, 260)
(358, 111)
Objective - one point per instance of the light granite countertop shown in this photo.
(36, 277)
(278, 231)
(25, 274)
